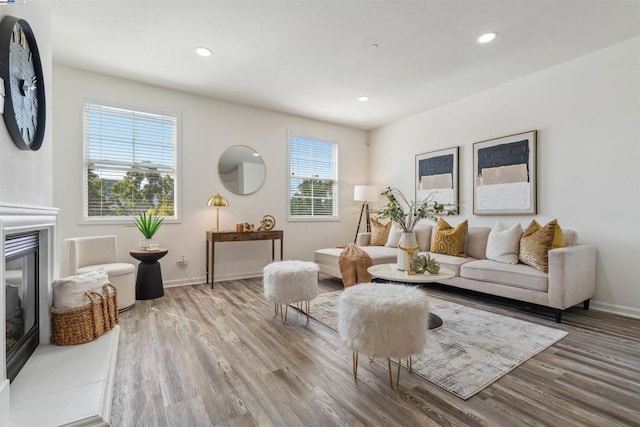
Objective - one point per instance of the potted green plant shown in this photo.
(148, 225)
(407, 214)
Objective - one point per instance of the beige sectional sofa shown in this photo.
(570, 281)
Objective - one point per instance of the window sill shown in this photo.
(313, 219)
(121, 221)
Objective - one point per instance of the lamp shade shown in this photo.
(362, 193)
(218, 201)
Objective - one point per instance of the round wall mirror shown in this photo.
(241, 169)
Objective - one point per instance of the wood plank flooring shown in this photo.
(202, 357)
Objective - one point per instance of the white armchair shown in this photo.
(85, 254)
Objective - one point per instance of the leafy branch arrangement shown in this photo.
(408, 213)
(148, 224)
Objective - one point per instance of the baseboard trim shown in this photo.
(616, 309)
(182, 282)
(219, 278)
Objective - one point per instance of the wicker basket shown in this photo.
(110, 306)
(78, 325)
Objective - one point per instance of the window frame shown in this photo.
(336, 207)
(177, 186)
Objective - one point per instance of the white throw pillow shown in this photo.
(71, 291)
(394, 236)
(503, 243)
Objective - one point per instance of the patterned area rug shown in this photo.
(472, 349)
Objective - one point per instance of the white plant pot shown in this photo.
(144, 243)
(407, 240)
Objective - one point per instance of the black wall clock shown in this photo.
(20, 67)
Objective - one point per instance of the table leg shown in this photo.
(273, 250)
(281, 248)
(206, 266)
(213, 263)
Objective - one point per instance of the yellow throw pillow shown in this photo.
(450, 241)
(535, 245)
(558, 235)
(379, 232)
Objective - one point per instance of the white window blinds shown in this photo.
(312, 178)
(130, 162)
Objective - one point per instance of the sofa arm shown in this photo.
(363, 239)
(572, 275)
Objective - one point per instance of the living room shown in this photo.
(584, 104)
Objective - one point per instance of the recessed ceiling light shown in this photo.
(203, 51)
(487, 37)
(363, 98)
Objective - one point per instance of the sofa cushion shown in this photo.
(113, 270)
(422, 232)
(394, 236)
(558, 235)
(449, 240)
(453, 263)
(327, 256)
(503, 243)
(535, 244)
(477, 242)
(569, 237)
(423, 236)
(378, 254)
(379, 232)
(519, 275)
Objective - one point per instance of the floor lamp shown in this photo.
(364, 194)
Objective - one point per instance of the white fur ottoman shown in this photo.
(290, 281)
(383, 320)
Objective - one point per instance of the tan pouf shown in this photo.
(383, 320)
(287, 282)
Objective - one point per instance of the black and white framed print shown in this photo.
(437, 177)
(504, 175)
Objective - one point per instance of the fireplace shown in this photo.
(44, 392)
(21, 299)
(28, 252)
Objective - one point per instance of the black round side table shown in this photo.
(149, 278)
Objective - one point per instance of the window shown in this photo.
(312, 179)
(130, 162)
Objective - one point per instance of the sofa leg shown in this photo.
(558, 315)
(585, 304)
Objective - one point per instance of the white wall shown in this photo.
(208, 127)
(587, 113)
(25, 176)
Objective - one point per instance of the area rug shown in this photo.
(472, 349)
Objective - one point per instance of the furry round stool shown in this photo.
(290, 281)
(383, 320)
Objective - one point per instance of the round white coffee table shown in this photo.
(390, 273)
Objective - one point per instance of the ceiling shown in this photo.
(314, 58)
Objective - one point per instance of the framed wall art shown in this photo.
(437, 177)
(504, 175)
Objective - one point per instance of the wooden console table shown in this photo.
(214, 237)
